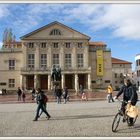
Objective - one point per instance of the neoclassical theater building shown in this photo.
(28, 63)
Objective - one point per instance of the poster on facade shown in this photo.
(99, 55)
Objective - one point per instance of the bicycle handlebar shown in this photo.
(122, 101)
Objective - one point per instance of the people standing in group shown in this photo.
(65, 94)
(41, 105)
(109, 93)
(58, 94)
(19, 93)
(129, 96)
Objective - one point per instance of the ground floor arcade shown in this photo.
(44, 81)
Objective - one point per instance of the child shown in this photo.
(84, 96)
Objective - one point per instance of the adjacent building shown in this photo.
(28, 63)
(120, 70)
(137, 62)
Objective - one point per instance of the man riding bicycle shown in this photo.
(129, 95)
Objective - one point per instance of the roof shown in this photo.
(119, 61)
(97, 44)
(14, 42)
(52, 23)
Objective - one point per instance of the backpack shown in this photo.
(45, 99)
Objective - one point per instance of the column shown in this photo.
(24, 81)
(49, 82)
(37, 57)
(61, 56)
(21, 81)
(86, 57)
(74, 56)
(36, 84)
(63, 81)
(24, 46)
(76, 83)
(89, 82)
(49, 55)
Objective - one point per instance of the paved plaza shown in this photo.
(74, 119)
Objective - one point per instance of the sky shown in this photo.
(117, 25)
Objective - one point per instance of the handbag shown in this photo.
(131, 111)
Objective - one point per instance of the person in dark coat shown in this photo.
(65, 94)
(40, 100)
(58, 94)
(19, 93)
(129, 95)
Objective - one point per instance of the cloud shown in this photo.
(122, 20)
(4, 11)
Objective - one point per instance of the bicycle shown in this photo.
(120, 115)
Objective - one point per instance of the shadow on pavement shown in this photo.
(80, 117)
(128, 128)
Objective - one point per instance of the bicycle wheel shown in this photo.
(116, 122)
(134, 120)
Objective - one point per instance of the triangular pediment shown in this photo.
(45, 32)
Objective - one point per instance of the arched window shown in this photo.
(55, 32)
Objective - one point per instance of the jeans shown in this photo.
(59, 100)
(42, 107)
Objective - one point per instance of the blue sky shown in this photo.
(118, 25)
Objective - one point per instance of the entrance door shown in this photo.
(69, 78)
(44, 82)
(82, 80)
(30, 82)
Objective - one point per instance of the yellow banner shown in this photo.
(99, 55)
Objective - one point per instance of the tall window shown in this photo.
(11, 83)
(31, 59)
(43, 45)
(115, 75)
(55, 44)
(31, 45)
(67, 60)
(79, 44)
(80, 60)
(55, 32)
(11, 64)
(43, 60)
(55, 59)
(67, 44)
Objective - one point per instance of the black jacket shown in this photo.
(129, 93)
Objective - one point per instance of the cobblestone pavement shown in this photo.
(74, 119)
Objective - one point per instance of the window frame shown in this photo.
(80, 60)
(12, 64)
(11, 83)
(68, 60)
(31, 61)
(43, 60)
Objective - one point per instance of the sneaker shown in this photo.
(35, 120)
(48, 117)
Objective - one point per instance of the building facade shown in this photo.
(120, 70)
(28, 63)
(137, 69)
